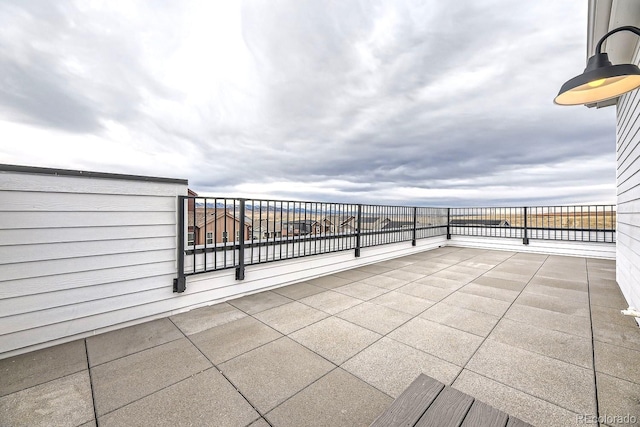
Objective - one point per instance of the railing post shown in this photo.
(358, 226)
(525, 238)
(448, 223)
(240, 267)
(180, 282)
(415, 225)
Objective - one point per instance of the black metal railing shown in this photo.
(224, 233)
(487, 222)
(594, 223)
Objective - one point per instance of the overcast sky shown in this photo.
(422, 102)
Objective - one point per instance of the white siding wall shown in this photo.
(80, 253)
(628, 184)
(552, 247)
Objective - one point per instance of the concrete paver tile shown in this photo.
(194, 321)
(203, 399)
(335, 339)
(64, 401)
(290, 317)
(123, 342)
(375, 317)
(447, 343)
(541, 376)
(121, 381)
(261, 301)
(391, 366)
(338, 399)
(273, 373)
(37, 367)
(227, 341)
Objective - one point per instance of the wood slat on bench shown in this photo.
(448, 410)
(483, 415)
(429, 403)
(407, 409)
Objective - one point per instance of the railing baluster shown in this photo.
(525, 239)
(180, 283)
(241, 236)
(358, 228)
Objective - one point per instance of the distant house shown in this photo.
(327, 226)
(266, 229)
(373, 223)
(300, 227)
(395, 225)
(367, 223)
(218, 226)
(480, 223)
(350, 224)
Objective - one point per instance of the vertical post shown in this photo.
(525, 238)
(240, 267)
(415, 225)
(180, 283)
(448, 223)
(358, 226)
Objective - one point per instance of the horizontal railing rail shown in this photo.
(217, 233)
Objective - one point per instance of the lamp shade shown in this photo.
(601, 80)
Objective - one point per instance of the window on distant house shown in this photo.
(225, 236)
(237, 235)
(190, 239)
(209, 238)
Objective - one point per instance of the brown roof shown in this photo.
(211, 215)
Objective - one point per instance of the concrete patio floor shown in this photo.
(517, 331)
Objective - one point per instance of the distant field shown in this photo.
(569, 220)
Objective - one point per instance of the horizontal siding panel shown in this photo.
(29, 220)
(629, 200)
(59, 282)
(628, 180)
(60, 251)
(625, 105)
(83, 234)
(628, 220)
(632, 206)
(629, 166)
(627, 137)
(629, 238)
(62, 266)
(52, 332)
(38, 302)
(628, 271)
(70, 202)
(628, 106)
(12, 181)
(34, 320)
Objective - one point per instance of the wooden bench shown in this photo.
(428, 402)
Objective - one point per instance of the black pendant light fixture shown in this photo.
(600, 80)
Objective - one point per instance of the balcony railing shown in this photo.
(224, 233)
(595, 223)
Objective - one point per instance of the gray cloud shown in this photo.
(370, 101)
